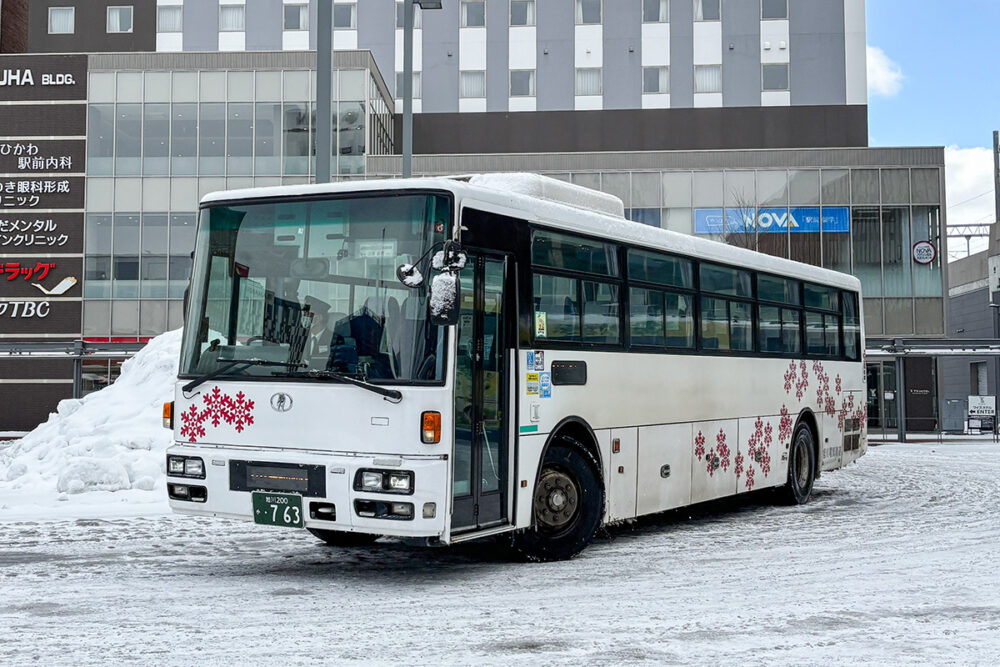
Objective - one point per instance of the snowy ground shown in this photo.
(893, 562)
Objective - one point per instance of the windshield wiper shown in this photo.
(228, 364)
(393, 394)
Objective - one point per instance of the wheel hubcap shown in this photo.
(556, 500)
(801, 465)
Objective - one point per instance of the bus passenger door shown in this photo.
(481, 440)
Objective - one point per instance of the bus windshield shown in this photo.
(313, 284)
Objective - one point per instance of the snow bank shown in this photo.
(111, 440)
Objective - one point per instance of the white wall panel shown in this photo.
(855, 51)
(774, 41)
(472, 104)
(232, 41)
(706, 100)
(655, 101)
(169, 41)
(295, 40)
(655, 44)
(472, 49)
(775, 98)
(522, 104)
(708, 43)
(589, 46)
(585, 102)
(346, 40)
(523, 48)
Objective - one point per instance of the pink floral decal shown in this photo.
(749, 478)
(219, 407)
(798, 377)
(757, 448)
(738, 468)
(785, 427)
(723, 450)
(699, 445)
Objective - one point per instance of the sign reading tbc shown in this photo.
(797, 220)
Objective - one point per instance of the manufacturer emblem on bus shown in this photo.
(281, 402)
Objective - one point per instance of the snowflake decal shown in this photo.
(218, 408)
(738, 467)
(757, 447)
(699, 445)
(749, 478)
(711, 459)
(838, 383)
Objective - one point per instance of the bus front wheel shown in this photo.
(567, 505)
(801, 467)
(338, 538)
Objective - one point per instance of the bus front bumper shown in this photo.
(228, 489)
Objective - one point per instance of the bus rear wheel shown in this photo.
(338, 538)
(801, 467)
(567, 505)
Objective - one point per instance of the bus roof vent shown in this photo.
(551, 189)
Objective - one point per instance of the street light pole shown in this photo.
(324, 92)
(408, 88)
(408, 10)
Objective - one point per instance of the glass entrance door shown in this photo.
(481, 447)
(882, 396)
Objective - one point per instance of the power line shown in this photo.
(988, 192)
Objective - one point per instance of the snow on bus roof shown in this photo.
(572, 208)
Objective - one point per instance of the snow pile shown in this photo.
(111, 440)
(444, 289)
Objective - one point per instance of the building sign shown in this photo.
(44, 120)
(42, 156)
(29, 317)
(994, 263)
(49, 192)
(982, 406)
(24, 232)
(40, 277)
(924, 252)
(30, 78)
(800, 219)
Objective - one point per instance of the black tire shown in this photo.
(801, 467)
(568, 503)
(337, 538)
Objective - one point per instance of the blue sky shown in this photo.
(932, 81)
(948, 53)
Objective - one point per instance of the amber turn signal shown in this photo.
(168, 415)
(430, 428)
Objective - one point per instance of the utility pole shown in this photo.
(996, 174)
(324, 93)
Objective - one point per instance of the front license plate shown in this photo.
(277, 509)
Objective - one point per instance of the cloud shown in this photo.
(885, 77)
(969, 188)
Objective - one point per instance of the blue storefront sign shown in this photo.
(799, 219)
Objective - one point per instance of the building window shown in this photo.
(773, 9)
(119, 19)
(61, 20)
(418, 16)
(522, 83)
(345, 16)
(473, 84)
(655, 11)
(416, 85)
(588, 12)
(522, 12)
(231, 18)
(708, 78)
(169, 19)
(775, 77)
(707, 10)
(296, 17)
(473, 13)
(978, 383)
(656, 79)
(588, 81)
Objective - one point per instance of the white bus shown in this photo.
(453, 358)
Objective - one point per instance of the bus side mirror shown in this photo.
(443, 305)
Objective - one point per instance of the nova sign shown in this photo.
(798, 219)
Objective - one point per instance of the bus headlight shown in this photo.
(371, 481)
(185, 466)
(384, 481)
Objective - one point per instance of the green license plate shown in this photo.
(277, 509)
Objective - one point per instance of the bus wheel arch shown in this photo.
(803, 455)
(567, 498)
(808, 417)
